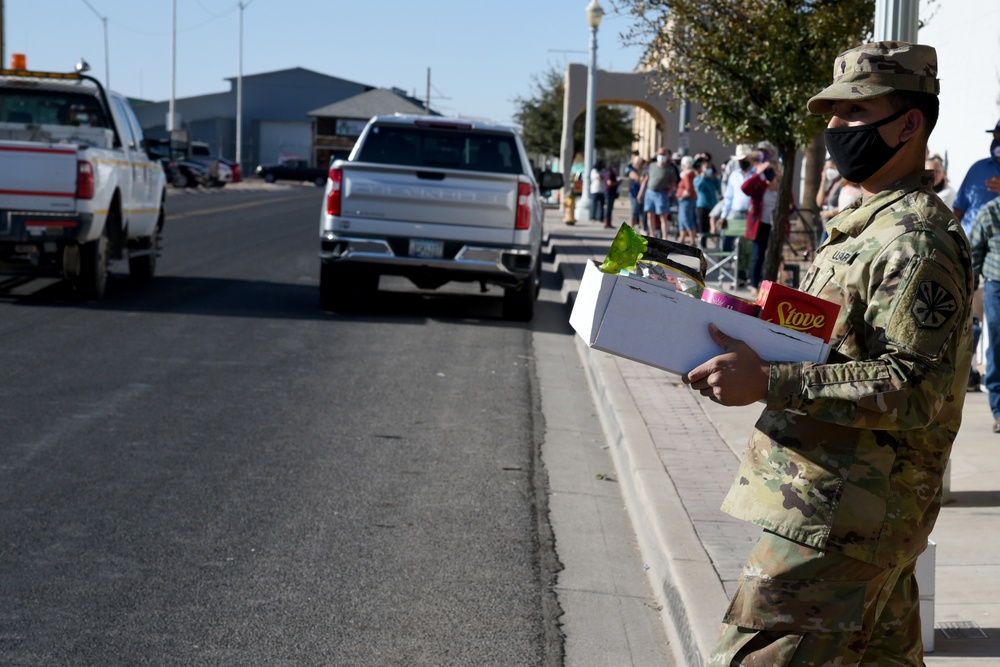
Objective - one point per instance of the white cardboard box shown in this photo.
(925, 574)
(651, 323)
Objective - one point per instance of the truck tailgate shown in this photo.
(37, 176)
(433, 196)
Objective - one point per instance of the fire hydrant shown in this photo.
(569, 203)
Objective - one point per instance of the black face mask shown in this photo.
(744, 165)
(860, 151)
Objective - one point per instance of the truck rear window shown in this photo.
(47, 107)
(441, 148)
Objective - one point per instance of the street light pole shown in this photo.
(171, 113)
(594, 15)
(107, 65)
(107, 60)
(239, 94)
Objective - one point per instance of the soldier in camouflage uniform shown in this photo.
(843, 470)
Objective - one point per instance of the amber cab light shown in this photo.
(333, 199)
(84, 180)
(18, 61)
(523, 219)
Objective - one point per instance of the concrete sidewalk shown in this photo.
(676, 454)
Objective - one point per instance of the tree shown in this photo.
(541, 120)
(752, 66)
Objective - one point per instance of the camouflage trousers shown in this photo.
(797, 606)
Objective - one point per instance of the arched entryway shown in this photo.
(656, 125)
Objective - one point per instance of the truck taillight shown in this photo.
(333, 199)
(84, 180)
(523, 219)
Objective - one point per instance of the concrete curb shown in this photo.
(684, 580)
(682, 575)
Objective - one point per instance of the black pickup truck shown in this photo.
(292, 170)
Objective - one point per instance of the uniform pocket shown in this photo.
(797, 606)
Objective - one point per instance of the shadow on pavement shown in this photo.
(228, 297)
(974, 498)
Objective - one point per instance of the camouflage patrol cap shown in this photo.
(873, 70)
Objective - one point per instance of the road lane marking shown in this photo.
(225, 209)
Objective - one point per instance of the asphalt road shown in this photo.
(208, 470)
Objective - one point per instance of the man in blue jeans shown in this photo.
(658, 185)
(986, 262)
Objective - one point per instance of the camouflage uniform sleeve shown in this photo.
(910, 316)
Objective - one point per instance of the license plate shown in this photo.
(426, 248)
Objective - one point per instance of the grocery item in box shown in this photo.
(657, 259)
(797, 310)
(616, 313)
(719, 298)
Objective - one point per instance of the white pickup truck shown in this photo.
(434, 200)
(77, 187)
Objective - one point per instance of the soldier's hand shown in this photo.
(738, 376)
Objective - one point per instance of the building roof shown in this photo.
(375, 102)
(281, 73)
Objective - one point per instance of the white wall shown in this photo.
(966, 34)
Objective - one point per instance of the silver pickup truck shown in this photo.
(434, 200)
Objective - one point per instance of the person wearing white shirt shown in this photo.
(598, 193)
(735, 204)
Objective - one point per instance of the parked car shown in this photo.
(220, 170)
(292, 170)
(189, 174)
(180, 173)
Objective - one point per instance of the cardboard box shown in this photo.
(797, 310)
(649, 322)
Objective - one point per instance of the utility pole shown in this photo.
(239, 94)
(3, 43)
(171, 117)
(427, 103)
(594, 14)
(107, 60)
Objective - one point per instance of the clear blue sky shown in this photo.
(481, 54)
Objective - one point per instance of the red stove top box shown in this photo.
(797, 310)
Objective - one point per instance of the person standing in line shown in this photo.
(980, 185)
(762, 188)
(986, 263)
(849, 193)
(687, 224)
(942, 185)
(611, 183)
(735, 204)
(830, 183)
(636, 171)
(598, 190)
(658, 185)
(844, 468)
(706, 186)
